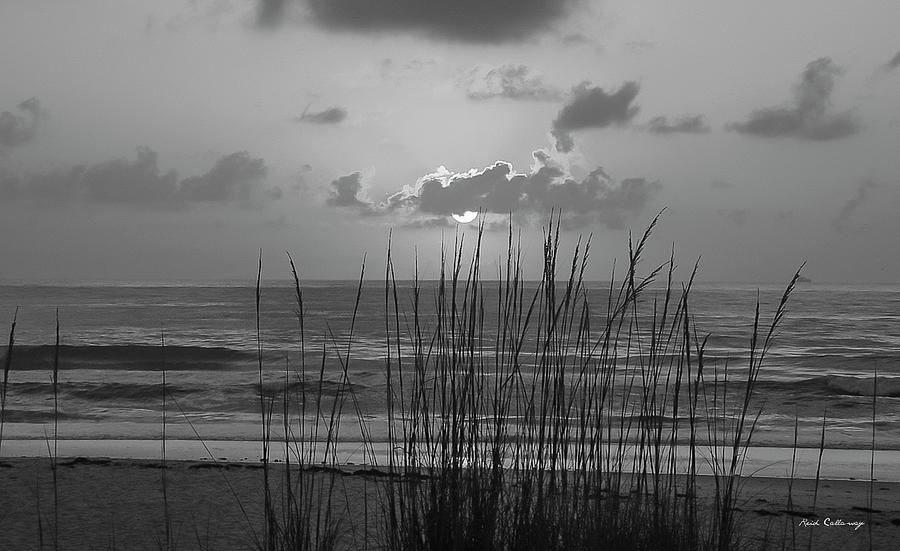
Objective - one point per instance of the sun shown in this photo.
(465, 217)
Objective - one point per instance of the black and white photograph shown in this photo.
(456, 275)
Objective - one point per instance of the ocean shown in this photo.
(825, 356)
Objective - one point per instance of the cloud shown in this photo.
(233, 179)
(332, 115)
(687, 124)
(118, 181)
(346, 191)
(810, 116)
(859, 198)
(508, 81)
(477, 21)
(18, 130)
(593, 107)
(594, 199)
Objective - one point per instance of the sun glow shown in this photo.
(465, 217)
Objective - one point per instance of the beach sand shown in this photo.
(118, 504)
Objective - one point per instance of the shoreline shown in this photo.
(759, 461)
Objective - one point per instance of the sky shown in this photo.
(174, 139)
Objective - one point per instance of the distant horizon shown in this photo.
(235, 282)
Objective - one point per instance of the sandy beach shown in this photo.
(118, 504)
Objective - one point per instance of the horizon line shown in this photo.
(217, 282)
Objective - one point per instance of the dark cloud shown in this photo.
(18, 130)
(594, 199)
(593, 107)
(234, 179)
(122, 181)
(508, 81)
(564, 141)
(688, 124)
(858, 199)
(332, 115)
(480, 21)
(346, 191)
(810, 116)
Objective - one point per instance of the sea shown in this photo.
(835, 360)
